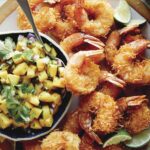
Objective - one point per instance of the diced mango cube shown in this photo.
(52, 70)
(35, 125)
(21, 69)
(48, 84)
(35, 112)
(34, 100)
(45, 97)
(59, 82)
(42, 76)
(13, 79)
(40, 64)
(5, 122)
(31, 72)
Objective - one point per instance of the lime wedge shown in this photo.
(121, 136)
(136, 22)
(123, 12)
(140, 139)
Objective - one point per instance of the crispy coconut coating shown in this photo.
(61, 140)
(81, 74)
(88, 144)
(72, 124)
(90, 102)
(138, 119)
(108, 115)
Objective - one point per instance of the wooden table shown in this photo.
(140, 7)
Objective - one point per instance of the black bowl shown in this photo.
(20, 134)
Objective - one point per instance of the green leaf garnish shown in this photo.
(25, 88)
(6, 47)
(28, 55)
(16, 109)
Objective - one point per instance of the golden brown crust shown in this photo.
(71, 123)
(91, 102)
(108, 115)
(138, 119)
(61, 140)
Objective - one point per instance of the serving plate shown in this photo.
(19, 134)
(10, 24)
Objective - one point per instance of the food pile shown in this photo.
(31, 83)
(106, 69)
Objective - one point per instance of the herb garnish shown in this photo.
(6, 47)
(25, 88)
(16, 109)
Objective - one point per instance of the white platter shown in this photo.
(10, 24)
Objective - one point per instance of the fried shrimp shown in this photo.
(124, 60)
(59, 140)
(46, 13)
(81, 73)
(107, 116)
(87, 143)
(72, 124)
(137, 119)
(65, 24)
(136, 113)
(101, 14)
(76, 39)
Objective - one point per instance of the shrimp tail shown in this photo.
(138, 46)
(132, 101)
(85, 121)
(128, 29)
(106, 76)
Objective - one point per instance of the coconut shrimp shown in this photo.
(107, 116)
(59, 140)
(82, 75)
(124, 60)
(135, 108)
(101, 14)
(71, 123)
(47, 14)
(65, 24)
(76, 39)
(88, 144)
(137, 119)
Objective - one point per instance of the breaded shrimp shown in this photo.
(85, 121)
(107, 116)
(59, 140)
(125, 103)
(111, 90)
(72, 122)
(137, 72)
(137, 119)
(81, 73)
(76, 39)
(90, 102)
(47, 14)
(88, 144)
(65, 24)
(102, 14)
